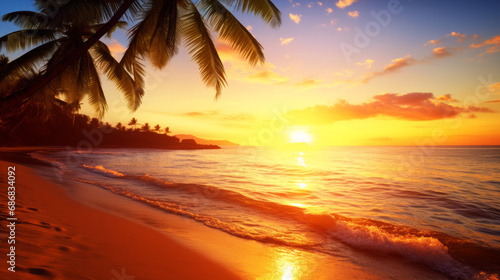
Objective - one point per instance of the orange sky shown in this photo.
(344, 73)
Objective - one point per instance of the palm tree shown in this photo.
(133, 122)
(146, 127)
(119, 126)
(54, 44)
(155, 36)
(157, 127)
(167, 130)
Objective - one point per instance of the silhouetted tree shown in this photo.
(133, 122)
(94, 123)
(167, 130)
(146, 127)
(54, 43)
(119, 126)
(157, 127)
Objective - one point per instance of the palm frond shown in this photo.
(26, 19)
(164, 38)
(95, 93)
(231, 30)
(132, 91)
(26, 64)
(27, 38)
(263, 8)
(139, 39)
(202, 49)
(121, 24)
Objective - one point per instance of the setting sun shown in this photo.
(300, 136)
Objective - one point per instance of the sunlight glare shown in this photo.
(300, 136)
(288, 273)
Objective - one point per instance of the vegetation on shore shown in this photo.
(63, 128)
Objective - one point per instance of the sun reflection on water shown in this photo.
(301, 184)
(288, 273)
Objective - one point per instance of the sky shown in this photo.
(345, 72)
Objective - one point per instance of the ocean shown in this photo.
(434, 206)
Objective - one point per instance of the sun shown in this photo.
(300, 136)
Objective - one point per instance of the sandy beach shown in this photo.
(59, 238)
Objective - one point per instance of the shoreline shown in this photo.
(85, 232)
(58, 237)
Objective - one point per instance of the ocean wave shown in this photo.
(100, 169)
(437, 250)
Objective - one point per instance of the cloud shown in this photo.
(434, 42)
(320, 3)
(460, 37)
(402, 62)
(495, 42)
(308, 83)
(249, 28)
(492, 101)
(238, 69)
(295, 18)
(345, 3)
(231, 120)
(440, 52)
(116, 48)
(446, 97)
(286, 41)
(267, 76)
(353, 14)
(329, 10)
(416, 106)
(494, 87)
(368, 63)
(399, 63)
(395, 65)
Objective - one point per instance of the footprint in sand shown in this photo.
(42, 272)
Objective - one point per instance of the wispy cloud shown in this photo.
(367, 63)
(460, 37)
(345, 3)
(434, 42)
(116, 48)
(295, 18)
(493, 43)
(308, 83)
(239, 69)
(286, 41)
(329, 10)
(416, 106)
(446, 97)
(353, 14)
(226, 119)
(443, 51)
(495, 88)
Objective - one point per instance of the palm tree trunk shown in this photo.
(22, 95)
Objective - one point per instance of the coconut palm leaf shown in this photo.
(132, 92)
(202, 49)
(25, 65)
(232, 31)
(163, 45)
(95, 92)
(25, 19)
(263, 8)
(27, 38)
